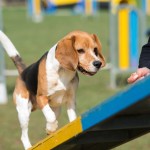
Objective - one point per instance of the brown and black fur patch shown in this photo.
(19, 63)
(30, 75)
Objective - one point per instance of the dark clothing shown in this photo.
(144, 60)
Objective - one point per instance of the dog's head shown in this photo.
(82, 51)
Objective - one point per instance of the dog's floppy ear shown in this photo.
(66, 54)
(99, 48)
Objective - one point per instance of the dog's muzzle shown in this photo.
(97, 64)
(82, 70)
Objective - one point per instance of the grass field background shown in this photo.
(32, 40)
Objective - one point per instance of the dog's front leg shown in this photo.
(50, 116)
(71, 104)
(71, 110)
(71, 99)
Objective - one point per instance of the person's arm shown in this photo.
(144, 60)
(144, 64)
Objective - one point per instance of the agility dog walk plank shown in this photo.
(119, 119)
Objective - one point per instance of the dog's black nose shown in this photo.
(97, 64)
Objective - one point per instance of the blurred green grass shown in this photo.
(32, 40)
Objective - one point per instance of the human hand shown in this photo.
(138, 75)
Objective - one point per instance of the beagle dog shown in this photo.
(53, 79)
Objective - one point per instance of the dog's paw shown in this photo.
(28, 148)
(51, 127)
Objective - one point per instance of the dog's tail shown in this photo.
(12, 52)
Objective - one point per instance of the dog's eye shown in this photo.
(96, 51)
(81, 51)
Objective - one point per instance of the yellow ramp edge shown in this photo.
(67, 132)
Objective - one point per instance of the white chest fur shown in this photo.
(58, 80)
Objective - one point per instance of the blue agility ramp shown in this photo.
(117, 120)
